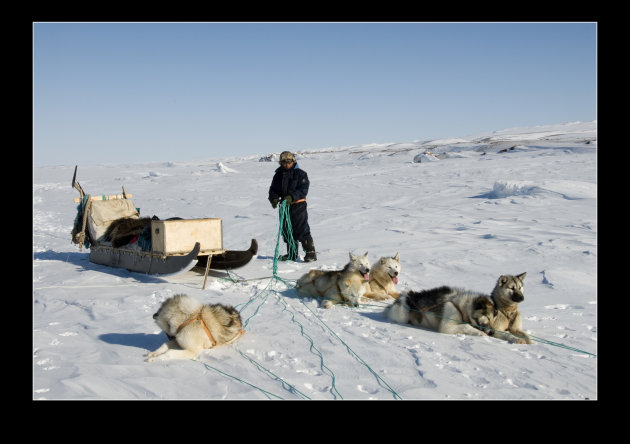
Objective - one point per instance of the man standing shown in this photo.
(290, 184)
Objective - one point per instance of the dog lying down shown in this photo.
(192, 327)
(460, 311)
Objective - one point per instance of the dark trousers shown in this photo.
(299, 223)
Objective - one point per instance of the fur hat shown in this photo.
(287, 155)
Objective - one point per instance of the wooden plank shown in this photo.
(205, 276)
(106, 197)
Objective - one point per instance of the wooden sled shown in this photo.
(159, 247)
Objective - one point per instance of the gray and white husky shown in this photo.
(508, 324)
(444, 309)
(192, 327)
(344, 286)
(457, 310)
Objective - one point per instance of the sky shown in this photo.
(110, 93)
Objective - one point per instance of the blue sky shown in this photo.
(154, 92)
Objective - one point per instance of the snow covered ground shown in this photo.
(460, 212)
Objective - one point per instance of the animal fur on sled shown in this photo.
(122, 231)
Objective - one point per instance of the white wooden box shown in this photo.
(179, 236)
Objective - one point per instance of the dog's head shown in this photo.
(392, 266)
(361, 264)
(484, 313)
(509, 289)
(161, 321)
(174, 311)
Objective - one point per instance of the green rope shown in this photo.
(380, 380)
(558, 344)
(284, 224)
(286, 231)
(312, 348)
(285, 384)
(264, 294)
(239, 380)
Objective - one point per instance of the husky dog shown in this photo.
(506, 296)
(337, 286)
(383, 277)
(444, 309)
(192, 327)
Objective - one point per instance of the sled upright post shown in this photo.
(205, 276)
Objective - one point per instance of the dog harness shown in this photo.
(205, 327)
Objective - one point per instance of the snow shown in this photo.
(478, 211)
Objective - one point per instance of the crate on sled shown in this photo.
(179, 236)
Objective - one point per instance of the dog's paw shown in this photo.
(328, 304)
(151, 356)
(154, 358)
(516, 340)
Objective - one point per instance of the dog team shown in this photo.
(192, 327)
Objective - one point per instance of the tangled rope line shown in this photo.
(284, 228)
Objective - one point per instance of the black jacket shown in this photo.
(293, 181)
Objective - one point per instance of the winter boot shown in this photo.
(291, 255)
(309, 249)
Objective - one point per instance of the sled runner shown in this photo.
(111, 227)
(229, 260)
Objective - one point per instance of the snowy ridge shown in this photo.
(574, 133)
(506, 202)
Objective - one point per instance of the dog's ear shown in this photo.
(521, 276)
(397, 257)
(502, 280)
(352, 256)
(382, 260)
